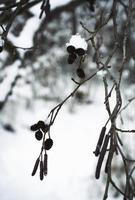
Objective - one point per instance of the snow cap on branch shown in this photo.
(78, 42)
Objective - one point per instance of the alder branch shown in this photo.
(58, 107)
(109, 141)
(125, 131)
(9, 93)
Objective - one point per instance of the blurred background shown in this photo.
(35, 76)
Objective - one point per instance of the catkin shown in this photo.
(41, 170)
(107, 164)
(101, 157)
(35, 167)
(45, 164)
(109, 159)
(100, 141)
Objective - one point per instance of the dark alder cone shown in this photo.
(70, 49)
(38, 135)
(48, 143)
(100, 141)
(1, 49)
(45, 129)
(101, 157)
(71, 58)
(41, 171)
(80, 51)
(45, 164)
(34, 127)
(40, 124)
(80, 73)
(35, 167)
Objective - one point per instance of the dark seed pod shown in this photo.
(1, 49)
(38, 135)
(80, 51)
(80, 73)
(101, 157)
(34, 127)
(45, 164)
(41, 171)
(100, 141)
(48, 143)
(71, 49)
(35, 167)
(40, 124)
(71, 58)
(45, 129)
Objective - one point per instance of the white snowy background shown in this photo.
(71, 160)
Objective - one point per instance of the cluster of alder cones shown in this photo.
(73, 53)
(41, 129)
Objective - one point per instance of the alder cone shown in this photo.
(38, 135)
(45, 129)
(48, 143)
(71, 58)
(71, 49)
(40, 124)
(80, 51)
(34, 127)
